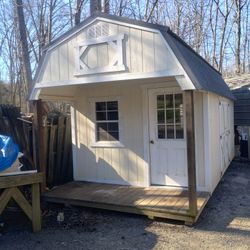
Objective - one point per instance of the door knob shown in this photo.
(152, 142)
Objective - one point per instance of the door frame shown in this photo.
(146, 120)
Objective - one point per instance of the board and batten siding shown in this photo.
(145, 52)
(111, 165)
(217, 168)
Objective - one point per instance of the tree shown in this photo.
(25, 57)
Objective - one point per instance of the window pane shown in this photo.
(170, 132)
(102, 136)
(100, 106)
(102, 127)
(101, 116)
(178, 100)
(178, 116)
(169, 101)
(113, 115)
(113, 126)
(161, 132)
(112, 105)
(113, 136)
(161, 116)
(170, 116)
(179, 132)
(160, 102)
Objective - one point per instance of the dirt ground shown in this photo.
(224, 224)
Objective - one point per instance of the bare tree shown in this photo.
(25, 58)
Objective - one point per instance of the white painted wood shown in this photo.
(135, 50)
(109, 78)
(126, 43)
(207, 142)
(45, 75)
(168, 162)
(199, 140)
(148, 58)
(54, 65)
(63, 60)
(71, 58)
(90, 49)
(221, 148)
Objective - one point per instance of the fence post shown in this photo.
(39, 132)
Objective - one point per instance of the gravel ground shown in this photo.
(224, 224)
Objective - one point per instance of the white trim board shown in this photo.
(109, 78)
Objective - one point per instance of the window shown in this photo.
(170, 116)
(107, 121)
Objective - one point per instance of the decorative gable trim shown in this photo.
(115, 64)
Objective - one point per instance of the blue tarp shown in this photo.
(8, 152)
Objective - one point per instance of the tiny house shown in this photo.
(147, 111)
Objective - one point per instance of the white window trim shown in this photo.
(106, 144)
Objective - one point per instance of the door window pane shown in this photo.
(170, 131)
(179, 131)
(161, 116)
(160, 102)
(169, 101)
(178, 118)
(170, 116)
(178, 100)
(161, 132)
(170, 122)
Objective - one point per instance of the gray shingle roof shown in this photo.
(200, 72)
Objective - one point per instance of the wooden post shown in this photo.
(189, 98)
(36, 210)
(39, 132)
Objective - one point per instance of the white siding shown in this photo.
(199, 141)
(216, 169)
(144, 52)
(111, 165)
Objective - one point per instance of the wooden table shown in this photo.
(10, 186)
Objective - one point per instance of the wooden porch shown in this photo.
(171, 203)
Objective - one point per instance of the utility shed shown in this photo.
(240, 87)
(147, 112)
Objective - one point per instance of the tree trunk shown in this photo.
(25, 58)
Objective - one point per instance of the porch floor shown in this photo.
(164, 202)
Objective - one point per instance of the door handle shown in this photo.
(152, 142)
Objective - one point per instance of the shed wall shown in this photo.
(217, 165)
(121, 165)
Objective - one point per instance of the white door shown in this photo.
(168, 147)
(224, 134)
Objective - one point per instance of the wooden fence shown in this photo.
(57, 140)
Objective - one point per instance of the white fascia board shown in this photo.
(35, 93)
(109, 78)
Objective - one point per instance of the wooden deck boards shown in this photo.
(152, 201)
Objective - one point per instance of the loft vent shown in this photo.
(98, 30)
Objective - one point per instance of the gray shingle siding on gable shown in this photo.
(202, 74)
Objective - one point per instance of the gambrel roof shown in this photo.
(203, 76)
